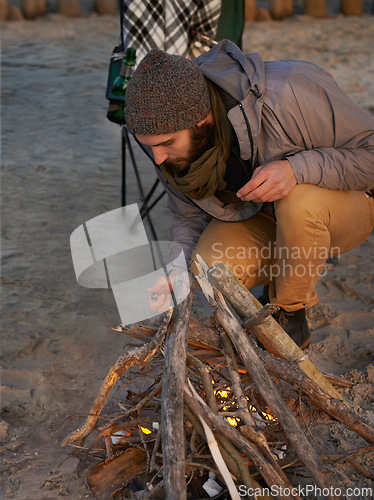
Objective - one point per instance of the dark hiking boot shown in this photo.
(264, 297)
(295, 325)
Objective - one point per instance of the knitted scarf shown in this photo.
(206, 174)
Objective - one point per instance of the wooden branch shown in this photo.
(342, 456)
(228, 351)
(173, 435)
(206, 380)
(213, 446)
(139, 356)
(199, 336)
(249, 430)
(152, 465)
(294, 376)
(262, 380)
(228, 458)
(269, 333)
(259, 317)
(221, 425)
(112, 474)
(291, 373)
(364, 471)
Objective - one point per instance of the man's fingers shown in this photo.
(160, 303)
(253, 184)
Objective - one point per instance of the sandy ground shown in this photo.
(60, 168)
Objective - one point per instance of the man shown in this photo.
(267, 165)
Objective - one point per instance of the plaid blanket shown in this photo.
(175, 26)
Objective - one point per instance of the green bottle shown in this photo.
(116, 111)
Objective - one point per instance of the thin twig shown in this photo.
(156, 446)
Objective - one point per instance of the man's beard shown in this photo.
(201, 139)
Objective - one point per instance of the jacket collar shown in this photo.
(243, 77)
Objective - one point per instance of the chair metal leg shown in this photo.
(145, 208)
(123, 167)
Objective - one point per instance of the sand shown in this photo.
(60, 168)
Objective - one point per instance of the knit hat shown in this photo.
(166, 94)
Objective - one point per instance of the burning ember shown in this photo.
(226, 396)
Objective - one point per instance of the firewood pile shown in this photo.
(216, 418)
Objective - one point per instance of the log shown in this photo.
(206, 379)
(172, 428)
(293, 375)
(105, 478)
(250, 10)
(231, 463)
(68, 8)
(259, 375)
(3, 10)
(269, 333)
(315, 8)
(199, 336)
(249, 430)
(283, 369)
(351, 7)
(190, 393)
(105, 7)
(335, 408)
(280, 9)
(221, 425)
(139, 356)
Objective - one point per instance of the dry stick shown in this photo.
(276, 475)
(294, 376)
(270, 333)
(231, 463)
(144, 401)
(259, 317)
(139, 356)
(213, 445)
(199, 336)
(250, 431)
(263, 381)
(291, 373)
(173, 435)
(292, 461)
(206, 378)
(365, 472)
(222, 426)
(152, 465)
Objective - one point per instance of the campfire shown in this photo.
(202, 412)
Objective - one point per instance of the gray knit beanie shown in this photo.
(166, 94)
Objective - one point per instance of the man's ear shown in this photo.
(207, 119)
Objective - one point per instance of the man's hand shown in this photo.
(160, 293)
(270, 182)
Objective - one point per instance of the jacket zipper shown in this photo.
(249, 133)
(252, 150)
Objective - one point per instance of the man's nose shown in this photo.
(159, 155)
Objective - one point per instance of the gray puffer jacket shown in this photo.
(286, 109)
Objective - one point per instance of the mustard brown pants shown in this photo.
(289, 253)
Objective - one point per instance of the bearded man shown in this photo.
(268, 167)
